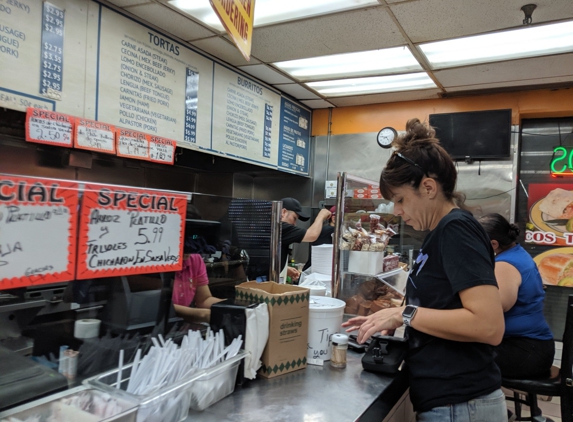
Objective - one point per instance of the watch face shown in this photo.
(386, 136)
(409, 311)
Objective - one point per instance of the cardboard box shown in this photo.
(361, 195)
(374, 191)
(331, 184)
(375, 196)
(361, 190)
(288, 324)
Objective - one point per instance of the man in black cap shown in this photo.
(291, 212)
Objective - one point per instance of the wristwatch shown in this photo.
(408, 314)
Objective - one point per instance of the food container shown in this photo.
(169, 404)
(215, 383)
(58, 408)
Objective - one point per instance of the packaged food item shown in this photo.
(391, 262)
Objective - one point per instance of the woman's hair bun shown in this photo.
(513, 231)
(416, 130)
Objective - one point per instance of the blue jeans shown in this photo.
(488, 408)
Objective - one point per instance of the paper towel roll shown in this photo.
(86, 328)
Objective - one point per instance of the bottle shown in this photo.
(339, 348)
(292, 264)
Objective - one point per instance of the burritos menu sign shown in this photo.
(129, 231)
(37, 231)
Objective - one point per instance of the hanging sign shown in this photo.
(132, 144)
(37, 231)
(95, 136)
(237, 17)
(130, 231)
(49, 127)
(162, 150)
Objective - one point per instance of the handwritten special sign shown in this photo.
(95, 136)
(129, 231)
(37, 231)
(49, 127)
(162, 150)
(132, 144)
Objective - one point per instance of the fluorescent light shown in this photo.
(272, 11)
(515, 44)
(373, 85)
(364, 63)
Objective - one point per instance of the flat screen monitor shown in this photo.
(474, 135)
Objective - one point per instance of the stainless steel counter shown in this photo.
(314, 394)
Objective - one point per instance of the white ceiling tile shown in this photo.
(223, 49)
(297, 91)
(424, 20)
(171, 21)
(266, 73)
(391, 97)
(361, 30)
(501, 72)
(126, 3)
(317, 103)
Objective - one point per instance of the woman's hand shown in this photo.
(383, 320)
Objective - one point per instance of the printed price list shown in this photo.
(52, 52)
(267, 134)
(191, 88)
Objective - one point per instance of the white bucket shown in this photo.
(325, 319)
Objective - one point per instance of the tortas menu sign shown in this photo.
(129, 231)
(37, 231)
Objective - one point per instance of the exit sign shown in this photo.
(562, 162)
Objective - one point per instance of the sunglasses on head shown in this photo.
(406, 159)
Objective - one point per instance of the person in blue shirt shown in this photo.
(527, 348)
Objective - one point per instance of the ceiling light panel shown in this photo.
(377, 84)
(364, 63)
(515, 44)
(272, 11)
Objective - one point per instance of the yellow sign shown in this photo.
(237, 17)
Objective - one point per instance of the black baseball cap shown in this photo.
(292, 204)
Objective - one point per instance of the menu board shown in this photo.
(294, 145)
(96, 63)
(245, 121)
(37, 231)
(129, 231)
(49, 127)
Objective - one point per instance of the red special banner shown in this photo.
(162, 150)
(130, 231)
(38, 219)
(95, 136)
(49, 127)
(132, 144)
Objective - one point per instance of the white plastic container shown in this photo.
(324, 319)
(366, 262)
(317, 290)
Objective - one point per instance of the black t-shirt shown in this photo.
(289, 234)
(455, 256)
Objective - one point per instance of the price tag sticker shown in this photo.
(162, 150)
(49, 127)
(95, 136)
(132, 144)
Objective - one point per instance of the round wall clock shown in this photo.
(386, 136)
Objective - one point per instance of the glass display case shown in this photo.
(369, 253)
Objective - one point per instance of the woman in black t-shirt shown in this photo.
(453, 315)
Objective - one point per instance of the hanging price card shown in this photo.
(38, 219)
(49, 127)
(95, 136)
(130, 231)
(162, 150)
(132, 144)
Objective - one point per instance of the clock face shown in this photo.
(386, 136)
